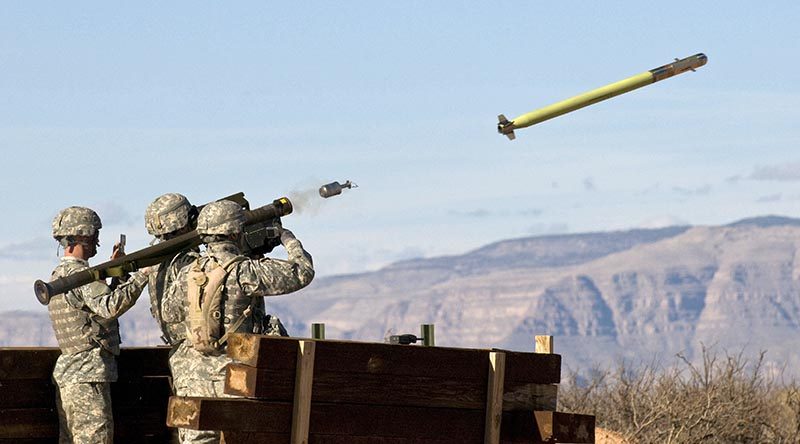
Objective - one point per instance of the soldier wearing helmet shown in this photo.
(168, 216)
(87, 331)
(239, 283)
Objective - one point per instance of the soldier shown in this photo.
(168, 216)
(87, 331)
(222, 288)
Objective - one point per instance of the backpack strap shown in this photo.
(228, 266)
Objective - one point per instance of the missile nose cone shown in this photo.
(702, 59)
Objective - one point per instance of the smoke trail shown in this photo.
(306, 200)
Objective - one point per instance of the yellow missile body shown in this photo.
(507, 127)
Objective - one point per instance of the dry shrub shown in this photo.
(722, 399)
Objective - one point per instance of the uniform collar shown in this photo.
(74, 259)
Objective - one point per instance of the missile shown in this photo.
(507, 127)
(335, 188)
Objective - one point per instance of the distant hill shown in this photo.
(636, 294)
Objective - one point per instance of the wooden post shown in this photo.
(318, 331)
(301, 412)
(544, 344)
(494, 397)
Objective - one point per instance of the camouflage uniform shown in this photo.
(88, 334)
(166, 215)
(247, 282)
(86, 328)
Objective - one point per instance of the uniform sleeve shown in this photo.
(104, 302)
(267, 277)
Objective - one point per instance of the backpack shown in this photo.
(204, 328)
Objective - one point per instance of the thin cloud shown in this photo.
(788, 172)
(734, 179)
(33, 249)
(588, 184)
(112, 213)
(777, 197)
(698, 191)
(479, 213)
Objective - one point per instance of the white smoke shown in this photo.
(306, 200)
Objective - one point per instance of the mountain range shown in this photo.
(640, 295)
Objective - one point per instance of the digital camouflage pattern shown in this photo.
(250, 280)
(223, 217)
(76, 221)
(168, 312)
(85, 323)
(167, 213)
(84, 410)
(86, 327)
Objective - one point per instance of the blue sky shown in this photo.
(110, 105)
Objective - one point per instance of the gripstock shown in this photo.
(155, 254)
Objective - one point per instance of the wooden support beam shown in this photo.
(28, 424)
(304, 378)
(494, 397)
(389, 359)
(232, 437)
(38, 362)
(378, 388)
(27, 394)
(41, 393)
(27, 362)
(544, 344)
(411, 423)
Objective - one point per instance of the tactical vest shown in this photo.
(78, 330)
(215, 310)
(172, 330)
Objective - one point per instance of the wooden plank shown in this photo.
(27, 362)
(27, 393)
(148, 392)
(232, 437)
(141, 425)
(304, 378)
(28, 423)
(246, 415)
(494, 398)
(544, 344)
(38, 362)
(530, 397)
(390, 359)
(376, 388)
(53, 440)
(137, 362)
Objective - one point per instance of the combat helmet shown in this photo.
(76, 221)
(168, 213)
(223, 217)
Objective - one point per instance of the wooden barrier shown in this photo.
(365, 393)
(27, 395)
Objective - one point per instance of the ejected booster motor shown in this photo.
(507, 127)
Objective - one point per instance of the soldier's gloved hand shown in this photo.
(286, 236)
